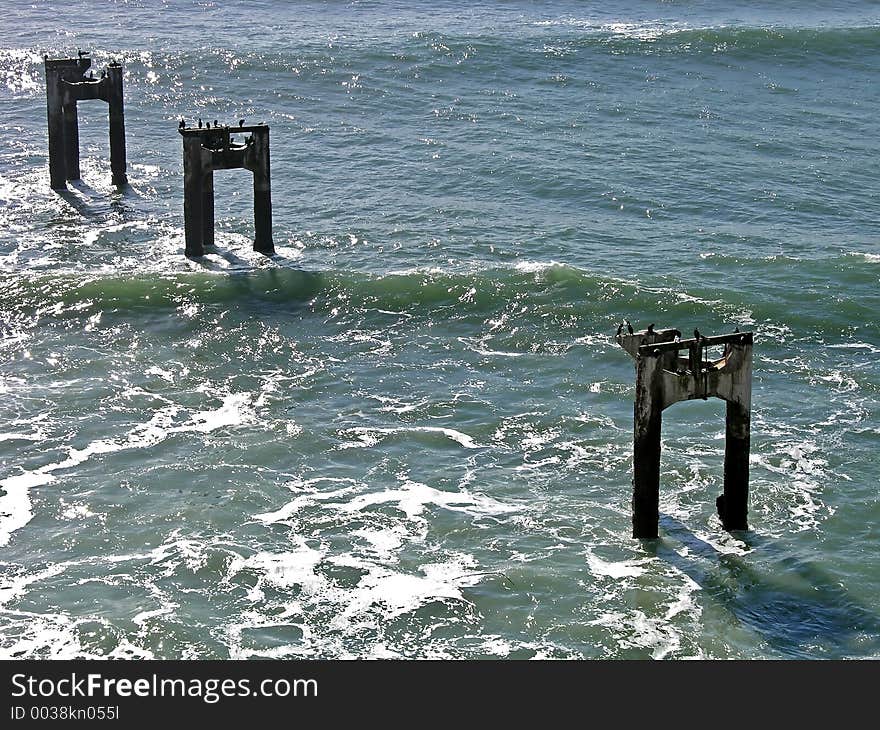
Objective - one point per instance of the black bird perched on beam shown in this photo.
(241, 122)
(215, 124)
(736, 329)
(697, 336)
(619, 329)
(182, 124)
(200, 122)
(651, 328)
(629, 327)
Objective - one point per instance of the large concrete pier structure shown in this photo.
(664, 377)
(206, 149)
(67, 84)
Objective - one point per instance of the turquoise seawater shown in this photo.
(409, 434)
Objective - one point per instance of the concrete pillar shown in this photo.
(55, 113)
(117, 124)
(733, 505)
(193, 197)
(262, 193)
(212, 148)
(71, 141)
(663, 377)
(207, 207)
(646, 450)
(65, 86)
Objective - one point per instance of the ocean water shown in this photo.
(409, 433)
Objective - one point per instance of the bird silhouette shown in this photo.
(215, 124)
(736, 329)
(241, 122)
(182, 124)
(697, 334)
(200, 123)
(651, 328)
(619, 329)
(629, 327)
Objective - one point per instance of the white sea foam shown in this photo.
(536, 267)
(397, 593)
(368, 436)
(13, 436)
(292, 568)
(311, 496)
(16, 505)
(236, 410)
(870, 258)
(413, 497)
(479, 346)
(384, 544)
(620, 569)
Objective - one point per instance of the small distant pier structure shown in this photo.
(66, 85)
(206, 149)
(669, 370)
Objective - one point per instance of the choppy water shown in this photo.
(409, 433)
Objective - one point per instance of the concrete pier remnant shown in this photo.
(206, 149)
(67, 84)
(669, 370)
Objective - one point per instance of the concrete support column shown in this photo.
(55, 113)
(117, 124)
(262, 194)
(733, 505)
(193, 197)
(71, 141)
(646, 450)
(207, 207)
